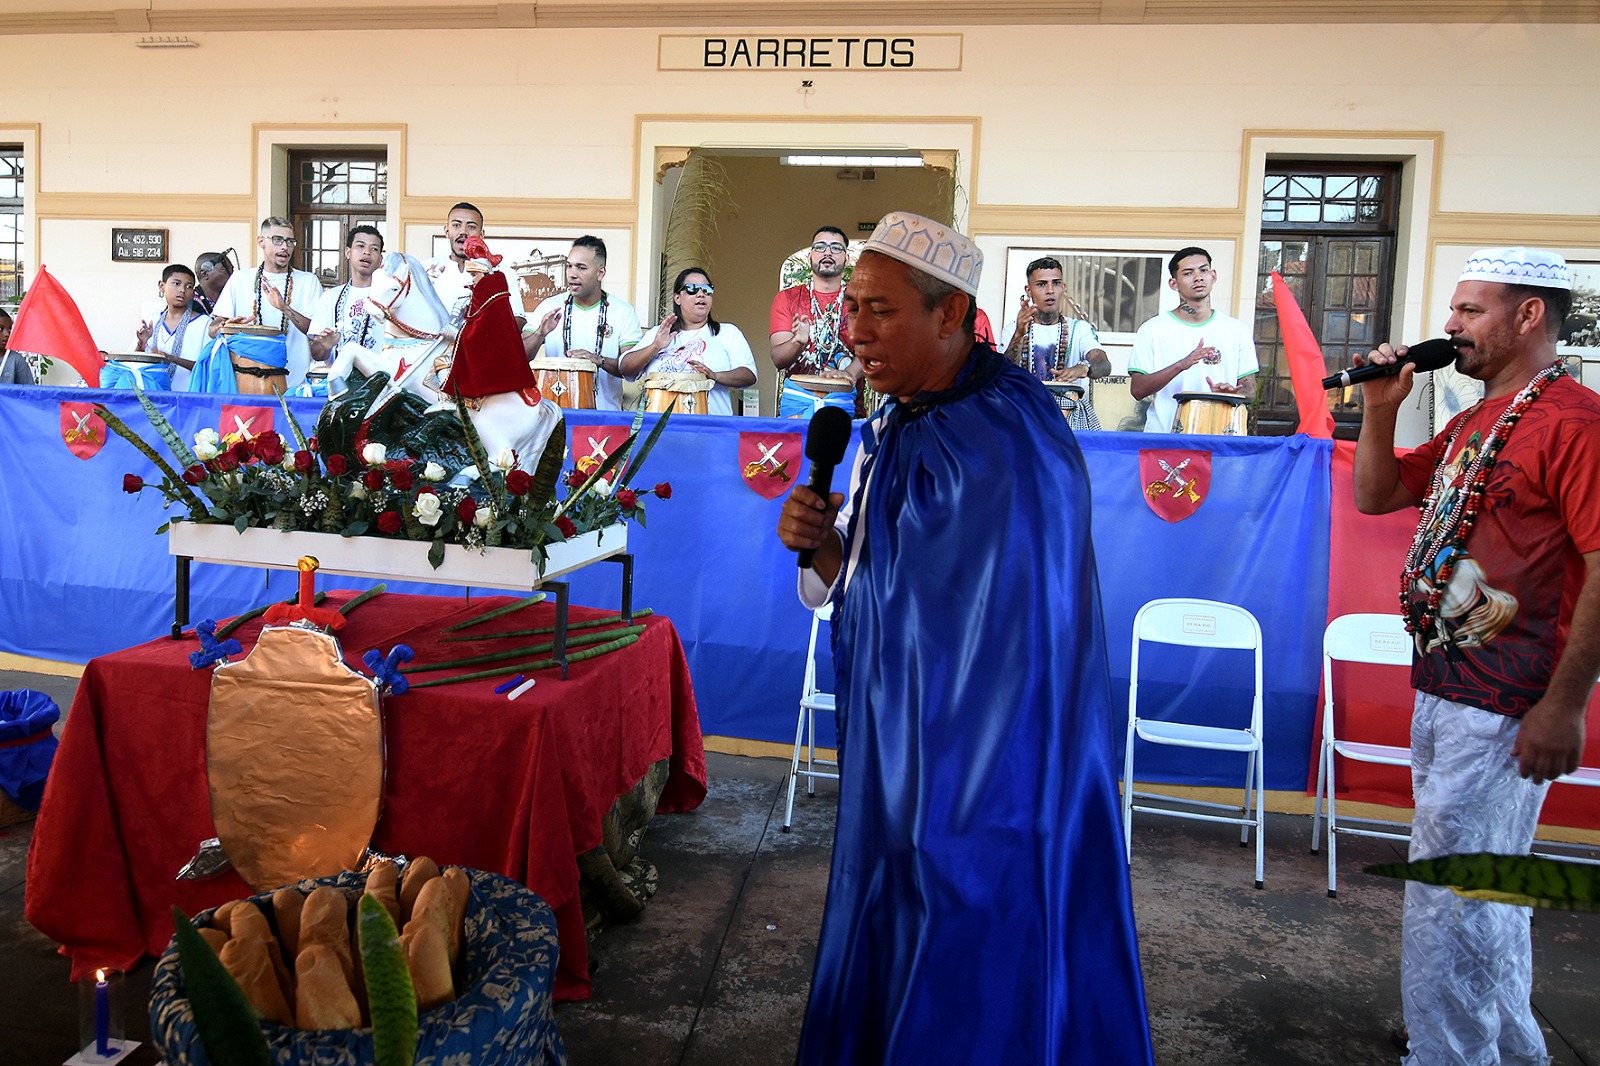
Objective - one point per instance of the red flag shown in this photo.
(49, 323)
(1306, 367)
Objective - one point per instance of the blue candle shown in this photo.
(102, 1015)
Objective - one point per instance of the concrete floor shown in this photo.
(715, 972)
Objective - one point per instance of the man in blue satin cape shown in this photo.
(978, 908)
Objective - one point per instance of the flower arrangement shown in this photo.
(268, 481)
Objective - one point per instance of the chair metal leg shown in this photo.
(1244, 811)
(1333, 828)
(794, 770)
(1316, 808)
(811, 752)
(1261, 817)
(1127, 796)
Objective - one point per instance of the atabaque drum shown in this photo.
(148, 371)
(567, 383)
(1068, 394)
(1215, 414)
(691, 392)
(253, 376)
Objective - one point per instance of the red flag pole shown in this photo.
(49, 323)
(1306, 366)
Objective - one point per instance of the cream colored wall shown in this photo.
(1130, 133)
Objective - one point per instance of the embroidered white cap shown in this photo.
(1518, 266)
(931, 247)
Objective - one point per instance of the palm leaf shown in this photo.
(497, 493)
(198, 508)
(604, 468)
(1523, 880)
(703, 193)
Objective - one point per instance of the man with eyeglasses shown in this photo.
(811, 333)
(449, 272)
(273, 295)
(586, 322)
(211, 272)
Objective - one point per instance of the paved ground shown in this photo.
(715, 972)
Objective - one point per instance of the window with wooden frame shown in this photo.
(1328, 227)
(12, 188)
(332, 190)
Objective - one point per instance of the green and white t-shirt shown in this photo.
(1166, 338)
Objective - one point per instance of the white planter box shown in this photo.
(383, 558)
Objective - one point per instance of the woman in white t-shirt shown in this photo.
(690, 341)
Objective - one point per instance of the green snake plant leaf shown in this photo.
(1523, 880)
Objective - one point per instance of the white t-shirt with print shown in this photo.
(726, 350)
(622, 333)
(1166, 338)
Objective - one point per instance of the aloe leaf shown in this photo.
(227, 1023)
(573, 640)
(391, 996)
(356, 601)
(1523, 880)
(590, 623)
(537, 664)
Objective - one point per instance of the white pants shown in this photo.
(1466, 966)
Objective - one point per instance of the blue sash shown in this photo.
(151, 377)
(213, 371)
(796, 402)
(272, 351)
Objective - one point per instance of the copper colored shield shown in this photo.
(294, 756)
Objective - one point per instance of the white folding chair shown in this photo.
(1198, 624)
(812, 700)
(1378, 640)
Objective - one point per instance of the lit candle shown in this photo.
(102, 1015)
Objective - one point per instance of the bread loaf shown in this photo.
(429, 961)
(325, 920)
(251, 966)
(460, 887)
(323, 999)
(383, 883)
(436, 908)
(418, 873)
(286, 906)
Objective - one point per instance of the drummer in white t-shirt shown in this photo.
(341, 317)
(690, 340)
(171, 328)
(586, 322)
(1191, 348)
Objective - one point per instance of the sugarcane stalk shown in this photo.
(540, 630)
(537, 664)
(528, 649)
(498, 612)
(257, 612)
(376, 590)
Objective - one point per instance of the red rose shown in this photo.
(427, 490)
(400, 477)
(372, 478)
(195, 474)
(664, 490)
(567, 528)
(336, 465)
(269, 449)
(132, 483)
(576, 478)
(224, 463)
(303, 461)
(389, 522)
(242, 451)
(627, 499)
(518, 482)
(467, 509)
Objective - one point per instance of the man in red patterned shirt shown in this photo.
(1501, 591)
(811, 333)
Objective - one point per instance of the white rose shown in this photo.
(205, 451)
(482, 516)
(288, 459)
(208, 438)
(374, 454)
(358, 491)
(433, 472)
(427, 509)
(603, 487)
(505, 460)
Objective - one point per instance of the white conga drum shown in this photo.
(691, 391)
(148, 371)
(253, 378)
(1068, 394)
(567, 383)
(1216, 414)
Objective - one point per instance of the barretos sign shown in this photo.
(941, 51)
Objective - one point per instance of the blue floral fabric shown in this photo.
(503, 1015)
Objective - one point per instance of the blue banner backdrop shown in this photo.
(81, 572)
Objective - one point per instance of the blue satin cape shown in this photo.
(978, 909)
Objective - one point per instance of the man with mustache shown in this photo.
(811, 331)
(274, 294)
(586, 322)
(449, 273)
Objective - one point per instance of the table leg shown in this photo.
(560, 650)
(180, 582)
(626, 559)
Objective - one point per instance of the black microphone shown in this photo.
(826, 440)
(1424, 355)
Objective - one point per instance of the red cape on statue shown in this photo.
(489, 357)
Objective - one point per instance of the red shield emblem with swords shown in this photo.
(244, 423)
(1174, 481)
(769, 462)
(83, 431)
(593, 445)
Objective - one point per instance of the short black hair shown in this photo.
(176, 268)
(1557, 304)
(465, 206)
(5, 316)
(370, 231)
(1184, 253)
(1046, 262)
(594, 244)
(843, 238)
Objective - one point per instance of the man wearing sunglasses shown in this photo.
(275, 295)
(811, 332)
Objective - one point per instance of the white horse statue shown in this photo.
(416, 353)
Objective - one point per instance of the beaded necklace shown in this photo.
(1061, 344)
(1442, 534)
(566, 325)
(288, 294)
(338, 316)
(825, 340)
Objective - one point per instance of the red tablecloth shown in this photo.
(476, 780)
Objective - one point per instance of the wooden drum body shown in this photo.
(691, 391)
(1214, 414)
(567, 383)
(249, 384)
